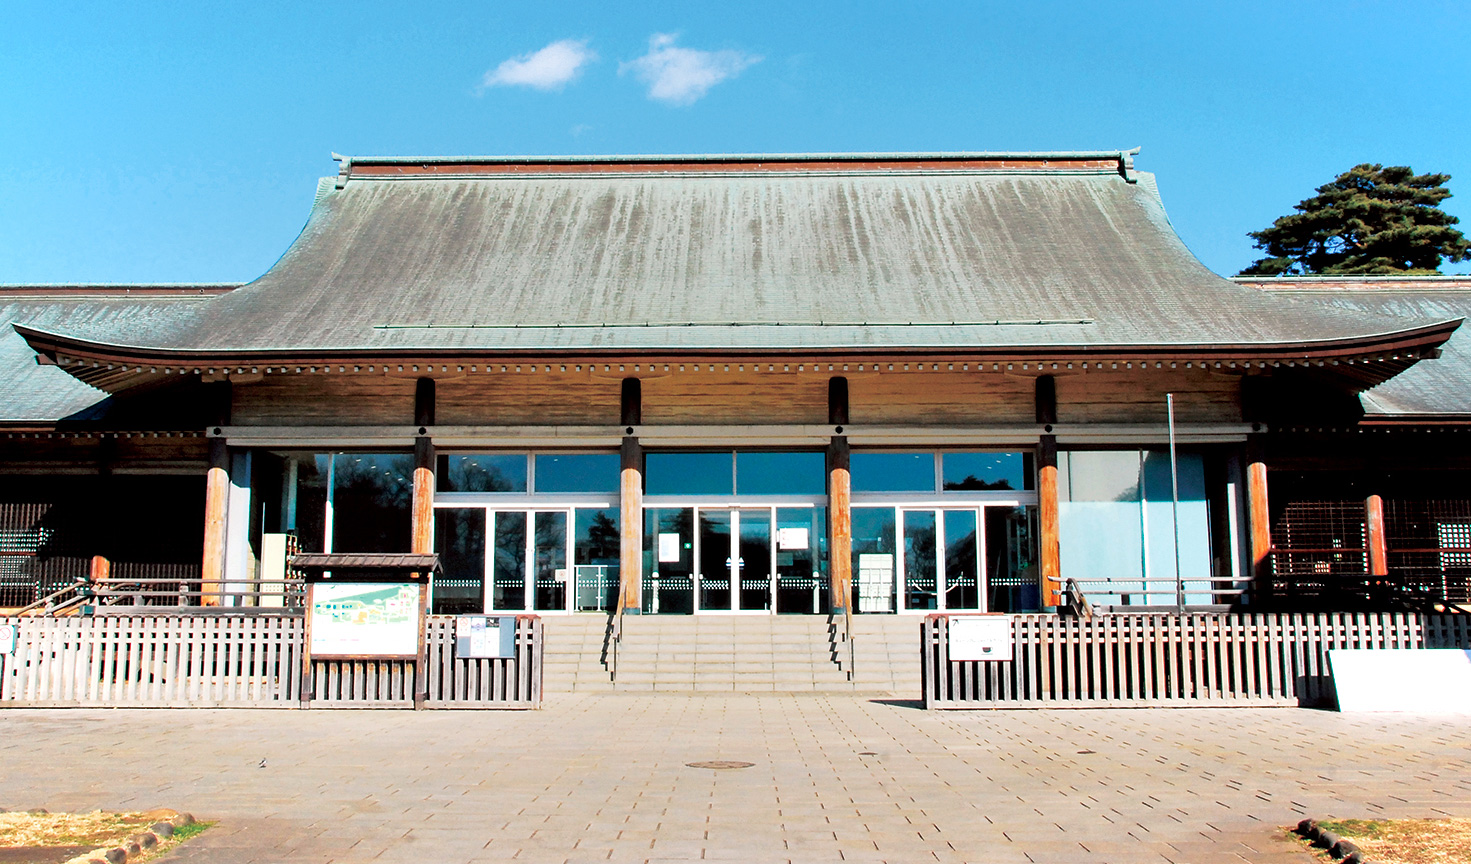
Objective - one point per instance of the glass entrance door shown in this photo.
(735, 559)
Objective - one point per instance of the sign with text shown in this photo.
(7, 639)
(980, 637)
(485, 637)
(364, 619)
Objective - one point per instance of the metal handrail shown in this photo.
(179, 591)
(615, 630)
(1077, 600)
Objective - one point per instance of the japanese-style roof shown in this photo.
(1432, 390)
(1041, 253)
(31, 393)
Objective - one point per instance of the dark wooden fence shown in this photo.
(1164, 660)
(256, 661)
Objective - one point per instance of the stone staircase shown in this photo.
(731, 653)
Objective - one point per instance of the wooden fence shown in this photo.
(1164, 660)
(218, 661)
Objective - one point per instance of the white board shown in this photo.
(875, 582)
(7, 638)
(668, 548)
(481, 636)
(1431, 681)
(980, 637)
(791, 538)
(364, 619)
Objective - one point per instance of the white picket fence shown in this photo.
(255, 661)
(1169, 660)
(195, 661)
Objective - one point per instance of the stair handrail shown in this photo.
(1077, 601)
(54, 602)
(615, 630)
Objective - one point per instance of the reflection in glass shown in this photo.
(689, 473)
(1011, 559)
(371, 498)
(305, 511)
(962, 561)
(754, 561)
(459, 538)
(873, 558)
(595, 559)
(576, 472)
(801, 560)
(971, 472)
(508, 581)
(893, 472)
(482, 472)
(669, 544)
(781, 473)
(920, 583)
(549, 578)
(715, 559)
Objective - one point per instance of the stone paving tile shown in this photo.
(603, 778)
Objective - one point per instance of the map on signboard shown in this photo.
(365, 620)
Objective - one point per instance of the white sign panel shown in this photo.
(478, 636)
(365, 620)
(668, 548)
(1428, 681)
(980, 637)
(7, 639)
(791, 538)
(875, 583)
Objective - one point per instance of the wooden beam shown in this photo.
(216, 503)
(99, 571)
(424, 402)
(840, 522)
(1378, 545)
(1046, 399)
(1047, 512)
(631, 513)
(837, 401)
(421, 537)
(631, 403)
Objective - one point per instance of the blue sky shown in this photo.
(181, 141)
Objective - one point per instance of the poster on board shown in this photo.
(364, 619)
(980, 637)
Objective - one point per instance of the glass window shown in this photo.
(482, 472)
(595, 552)
(508, 582)
(460, 540)
(371, 497)
(304, 508)
(893, 472)
(576, 472)
(873, 558)
(976, 472)
(689, 474)
(776, 473)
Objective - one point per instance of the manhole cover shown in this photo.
(720, 764)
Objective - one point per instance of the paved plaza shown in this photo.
(835, 778)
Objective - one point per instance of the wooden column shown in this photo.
(1378, 545)
(840, 522)
(1050, 542)
(631, 498)
(421, 533)
(216, 504)
(1259, 519)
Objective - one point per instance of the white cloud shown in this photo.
(547, 69)
(680, 76)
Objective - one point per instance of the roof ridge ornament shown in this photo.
(1126, 165)
(344, 170)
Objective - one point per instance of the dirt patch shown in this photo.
(50, 838)
(1407, 841)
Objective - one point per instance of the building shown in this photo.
(741, 384)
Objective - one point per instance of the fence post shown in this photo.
(1374, 528)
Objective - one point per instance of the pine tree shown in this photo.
(1370, 221)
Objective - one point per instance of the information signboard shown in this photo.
(481, 636)
(7, 639)
(980, 637)
(378, 619)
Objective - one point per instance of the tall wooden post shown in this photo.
(1047, 511)
(840, 521)
(631, 499)
(1378, 545)
(421, 534)
(216, 504)
(217, 400)
(1259, 520)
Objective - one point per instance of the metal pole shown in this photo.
(1175, 503)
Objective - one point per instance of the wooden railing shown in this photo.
(1169, 659)
(181, 660)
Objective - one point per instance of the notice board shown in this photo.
(364, 619)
